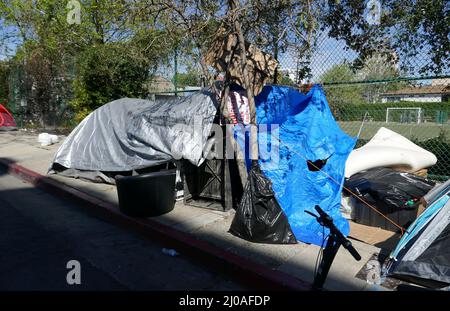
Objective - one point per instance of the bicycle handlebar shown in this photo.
(325, 220)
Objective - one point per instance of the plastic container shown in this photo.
(146, 195)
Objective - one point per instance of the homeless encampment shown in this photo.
(130, 134)
(422, 255)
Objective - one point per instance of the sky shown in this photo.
(6, 48)
(330, 52)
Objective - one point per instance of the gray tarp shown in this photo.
(129, 134)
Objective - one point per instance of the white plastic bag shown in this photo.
(46, 139)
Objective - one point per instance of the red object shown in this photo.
(305, 88)
(6, 118)
(238, 108)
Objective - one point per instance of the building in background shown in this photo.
(434, 93)
(160, 84)
(442, 81)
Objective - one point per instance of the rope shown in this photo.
(351, 192)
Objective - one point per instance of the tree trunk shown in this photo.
(275, 52)
(229, 138)
(247, 84)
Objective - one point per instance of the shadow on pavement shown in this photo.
(40, 239)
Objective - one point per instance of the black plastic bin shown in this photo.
(146, 195)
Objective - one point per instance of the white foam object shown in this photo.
(385, 149)
(45, 139)
(346, 207)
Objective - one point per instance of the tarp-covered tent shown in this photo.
(303, 128)
(6, 120)
(422, 255)
(129, 134)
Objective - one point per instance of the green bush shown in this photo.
(107, 72)
(4, 87)
(440, 147)
(190, 78)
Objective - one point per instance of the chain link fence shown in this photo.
(25, 100)
(413, 105)
(425, 124)
(404, 88)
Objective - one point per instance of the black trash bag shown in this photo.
(389, 189)
(259, 218)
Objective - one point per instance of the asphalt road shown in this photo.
(40, 234)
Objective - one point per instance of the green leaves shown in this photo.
(107, 72)
(109, 55)
(190, 78)
(4, 87)
(346, 94)
(417, 30)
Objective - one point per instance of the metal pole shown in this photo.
(176, 70)
(329, 253)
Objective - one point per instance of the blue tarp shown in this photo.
(306, 130)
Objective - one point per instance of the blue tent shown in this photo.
(302, 128)
(423, 253)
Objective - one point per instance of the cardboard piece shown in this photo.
(422, 172)
(374, 236)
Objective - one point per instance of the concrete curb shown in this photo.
(246, 271)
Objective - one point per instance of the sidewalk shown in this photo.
(290, 264)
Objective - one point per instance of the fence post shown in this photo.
(176, 71)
